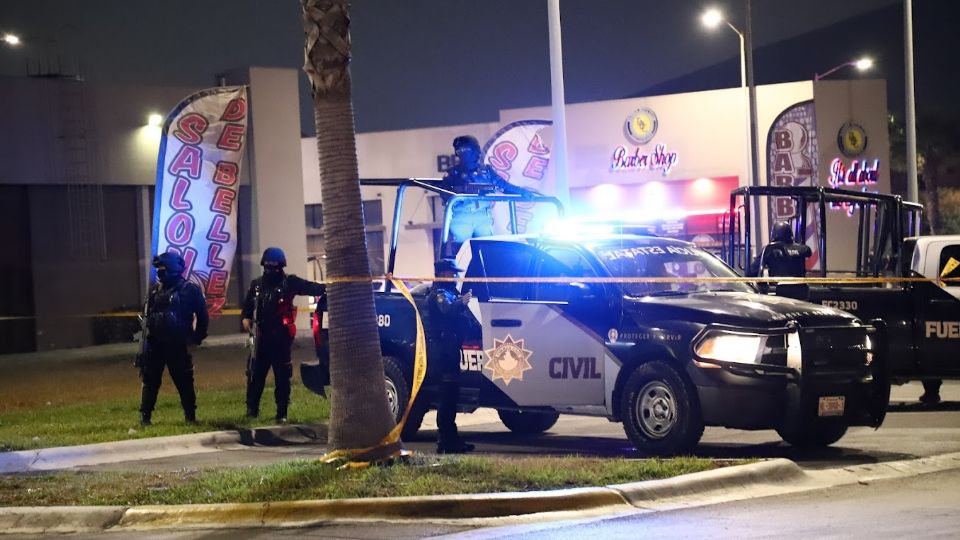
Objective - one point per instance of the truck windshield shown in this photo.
(642, 259)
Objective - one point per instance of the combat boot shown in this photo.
(252, 413)
(145, 419)
(190, 417)
(457, 446)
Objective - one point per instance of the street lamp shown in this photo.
(712, 18)
(11, 39)
(862, 64)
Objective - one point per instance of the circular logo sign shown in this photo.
(852, 139)
(641, 125)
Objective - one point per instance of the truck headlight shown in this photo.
(740, 348)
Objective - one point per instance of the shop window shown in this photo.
(373, 227)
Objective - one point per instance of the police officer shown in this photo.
(448, 312)
(172, 306)
(269, 314)
(473, 218)
(785, 258)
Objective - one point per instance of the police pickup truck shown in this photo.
(665, 357)
(921, 312)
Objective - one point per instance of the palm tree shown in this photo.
(359, 415)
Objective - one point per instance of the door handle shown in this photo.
(506, 323)
(942, 301)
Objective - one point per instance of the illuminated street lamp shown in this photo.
(154, 120)
(11, 39)
(712, 18)
(862, 64)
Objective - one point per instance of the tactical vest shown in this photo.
(165, 320)
(275, 312)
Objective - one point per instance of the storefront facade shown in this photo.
(665, 164)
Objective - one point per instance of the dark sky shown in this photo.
(440, 62)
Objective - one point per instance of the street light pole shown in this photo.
(913, 189)
(862, 64)
(558, 100)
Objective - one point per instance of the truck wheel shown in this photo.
(812, 436)
(528, 423)
(398, 387)
(398, 393)
(660, 412)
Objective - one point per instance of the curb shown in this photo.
(766, 478)
(66, 457)
(717, 481)
(304, 513)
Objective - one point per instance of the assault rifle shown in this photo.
(143, 353)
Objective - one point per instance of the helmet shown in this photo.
(446, 265)
(273, 256)
(466, 140)
(171, 263)
(782, 232)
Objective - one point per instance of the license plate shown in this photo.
(831, 406)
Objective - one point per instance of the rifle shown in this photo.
(252, 351)
(143, 354)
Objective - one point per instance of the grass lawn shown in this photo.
(50, 403)
(305, 480)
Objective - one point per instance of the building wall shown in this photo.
(707, 130)
(79, 163)
(399, 154)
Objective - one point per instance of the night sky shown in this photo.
(421, 63)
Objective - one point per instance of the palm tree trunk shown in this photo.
(359, 415)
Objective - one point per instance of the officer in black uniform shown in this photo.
(269, 314)
(171, 335)
(785, 258)
(450, 319)
(473, 218)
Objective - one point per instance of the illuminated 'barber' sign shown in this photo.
(658, 160)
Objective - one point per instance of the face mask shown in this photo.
(166, 277)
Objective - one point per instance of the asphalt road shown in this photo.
(926, 506)
(910, 431)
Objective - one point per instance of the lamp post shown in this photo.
(712, 18)
(862, 64)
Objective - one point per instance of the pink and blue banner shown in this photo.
(520, 153)
(198, 171)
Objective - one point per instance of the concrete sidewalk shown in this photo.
(67, 457)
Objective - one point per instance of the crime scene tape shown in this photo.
(942, 280)
(390, 447)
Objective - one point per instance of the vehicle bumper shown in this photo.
(770, 397)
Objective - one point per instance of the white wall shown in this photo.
(399, 154)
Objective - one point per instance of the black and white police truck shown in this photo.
(921, 313)
(665, 358)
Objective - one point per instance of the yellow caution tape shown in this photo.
(951, 265)
(390, 447)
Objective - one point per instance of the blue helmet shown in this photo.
(171, 263)
(273, 256)
(466, 141)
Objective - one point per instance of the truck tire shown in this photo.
(398, 393)
(810, 436)
(528, 423)
(660, 411)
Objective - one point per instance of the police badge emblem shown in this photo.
(508, 359)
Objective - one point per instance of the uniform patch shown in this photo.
(508, 359)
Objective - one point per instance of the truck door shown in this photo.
(535, 351)
(938, 310)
